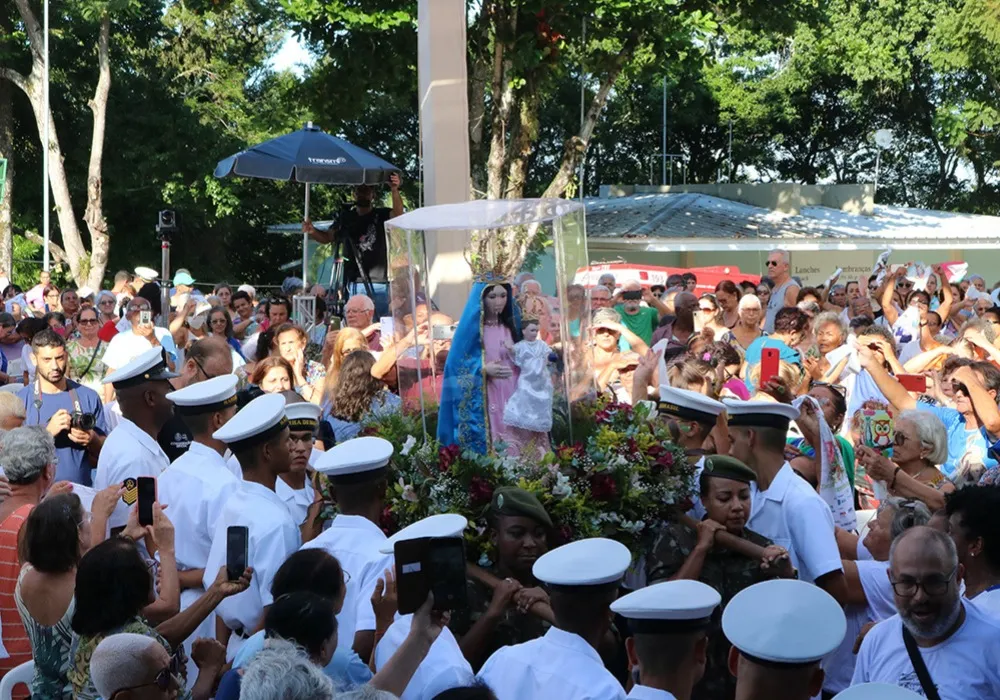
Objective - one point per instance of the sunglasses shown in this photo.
(107, 302)
(904, 285)
(162, 682)
(771, 263)
(839, 389)
(88, 321)
(899, 440)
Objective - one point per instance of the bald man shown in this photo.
(128, 667)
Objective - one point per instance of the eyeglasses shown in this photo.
(216, 321)
(107, 302)
(202, 368)
(162, 681)
(933, 585)
(839, 389)
(771, 263)
(899, 440)
(87, 322)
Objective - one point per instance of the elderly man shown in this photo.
(141, 336)
(600, 298)
(785, 290)
(641, 320)
(12, 413)
(938, 640)
(359, 313)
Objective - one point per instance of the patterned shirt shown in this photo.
(725, 571)
(15, 639)
(85, 364)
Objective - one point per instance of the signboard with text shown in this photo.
(815, 267)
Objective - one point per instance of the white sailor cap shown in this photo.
(209, 396)
(147, 273)
(302, 416)
(689, 405)
(785, 622)
(669, 607)
(591, 562)
(84, 292)
(877, 691)
(441, 525)
(760, 414)
(258, 421)
(150, 366)
(355, 458)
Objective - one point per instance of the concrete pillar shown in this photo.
(444, 123)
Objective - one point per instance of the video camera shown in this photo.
(167, 224)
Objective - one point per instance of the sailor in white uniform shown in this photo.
(877, 691)
(196, 487)
(357, 471)
(668, 648)
(583, 579)
(131, 450)
(258, 436)
(780, 631)
(445, 666)
(293, 486)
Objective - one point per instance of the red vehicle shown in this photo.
(651, 275)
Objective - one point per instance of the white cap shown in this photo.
(356, 456)
(760, 414)
(587, 562)
(784, 621)
(260, 420)
(147, 273)
(441, 525)
(670, 606)
(248, 289)
(689, 405)
(84, 292)
(202, 307)
(209, 396)
(149, 366)
(877, 691)
(302, 415)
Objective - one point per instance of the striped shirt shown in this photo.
(15, 638)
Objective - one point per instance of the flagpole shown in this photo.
(45, 142)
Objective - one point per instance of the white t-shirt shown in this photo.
(966, 666)
(989, 602)
(127, 346)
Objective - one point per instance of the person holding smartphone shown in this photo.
(142, 335)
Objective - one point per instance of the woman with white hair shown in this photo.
(747, 328)
(106, 307)
(921, 445)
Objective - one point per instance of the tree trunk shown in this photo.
(576, 146)
(522, 143)
(7, 151)
(502, 99)
(93, 275)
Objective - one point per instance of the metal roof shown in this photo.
(691, 221)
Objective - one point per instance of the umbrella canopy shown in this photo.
(308, 155)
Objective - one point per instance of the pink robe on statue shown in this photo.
(498, 391)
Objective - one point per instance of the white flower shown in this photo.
(409, 494)
(410, 443)
(562, 489)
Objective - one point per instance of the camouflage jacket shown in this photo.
(725, 571)
(513, 627)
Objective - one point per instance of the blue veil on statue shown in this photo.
(462, 414)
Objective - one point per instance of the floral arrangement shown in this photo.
(621, 479)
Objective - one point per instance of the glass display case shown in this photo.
(498, 364)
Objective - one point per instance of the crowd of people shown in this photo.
(845, 529)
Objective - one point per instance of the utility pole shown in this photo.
(663, 145)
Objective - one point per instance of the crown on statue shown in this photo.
(490, 277)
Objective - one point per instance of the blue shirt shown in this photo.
(346, 669)
(73, 462)
(967, 449)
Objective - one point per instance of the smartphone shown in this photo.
(430, 565)
(913, 382)
(769, 358)
(147, 496)
(237, 554)
(145, 318)
(334, 324)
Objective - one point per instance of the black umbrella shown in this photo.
(308, 155)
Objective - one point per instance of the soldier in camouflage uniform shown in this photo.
(499, 617)
(680, 553)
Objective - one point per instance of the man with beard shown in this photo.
(71, 412)
(939, 645)
(362, 230)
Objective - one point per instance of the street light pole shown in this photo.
(45, 141)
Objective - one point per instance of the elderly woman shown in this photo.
(747, 329)
(106, 303)
(921, 444)
(866, 568)
(831, 332)
(28, 455)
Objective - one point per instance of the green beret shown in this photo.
(725, 467)
(510, 500)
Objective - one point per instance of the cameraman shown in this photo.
(364, 226)
(71, 412)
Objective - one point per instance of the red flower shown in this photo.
(388, 521)
(603, 487)
(654, 450)
(480, 491)
(448, 456)
(370, 430)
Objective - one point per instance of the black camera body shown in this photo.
(83, 421)
(167, 224)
